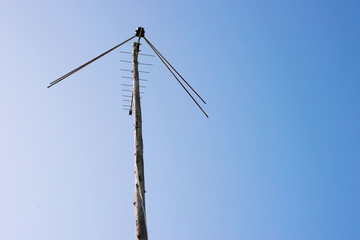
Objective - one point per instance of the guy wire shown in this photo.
(175, 70)
(87, 63)
(176, 78)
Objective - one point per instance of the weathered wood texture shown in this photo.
(140, 213)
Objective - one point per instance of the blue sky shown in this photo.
(277, 159)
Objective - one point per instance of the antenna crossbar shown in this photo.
(143, 54)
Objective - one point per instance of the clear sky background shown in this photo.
(277, 159)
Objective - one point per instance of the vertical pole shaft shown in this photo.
(140, 213)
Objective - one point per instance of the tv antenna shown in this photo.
(140, 213)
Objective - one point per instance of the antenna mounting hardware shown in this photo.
(139, 31)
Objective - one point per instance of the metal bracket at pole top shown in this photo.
(140, 32)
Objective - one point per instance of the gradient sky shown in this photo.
(278, 158)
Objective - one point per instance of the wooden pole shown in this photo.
(140, 213)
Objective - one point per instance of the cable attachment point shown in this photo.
(140, 32)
